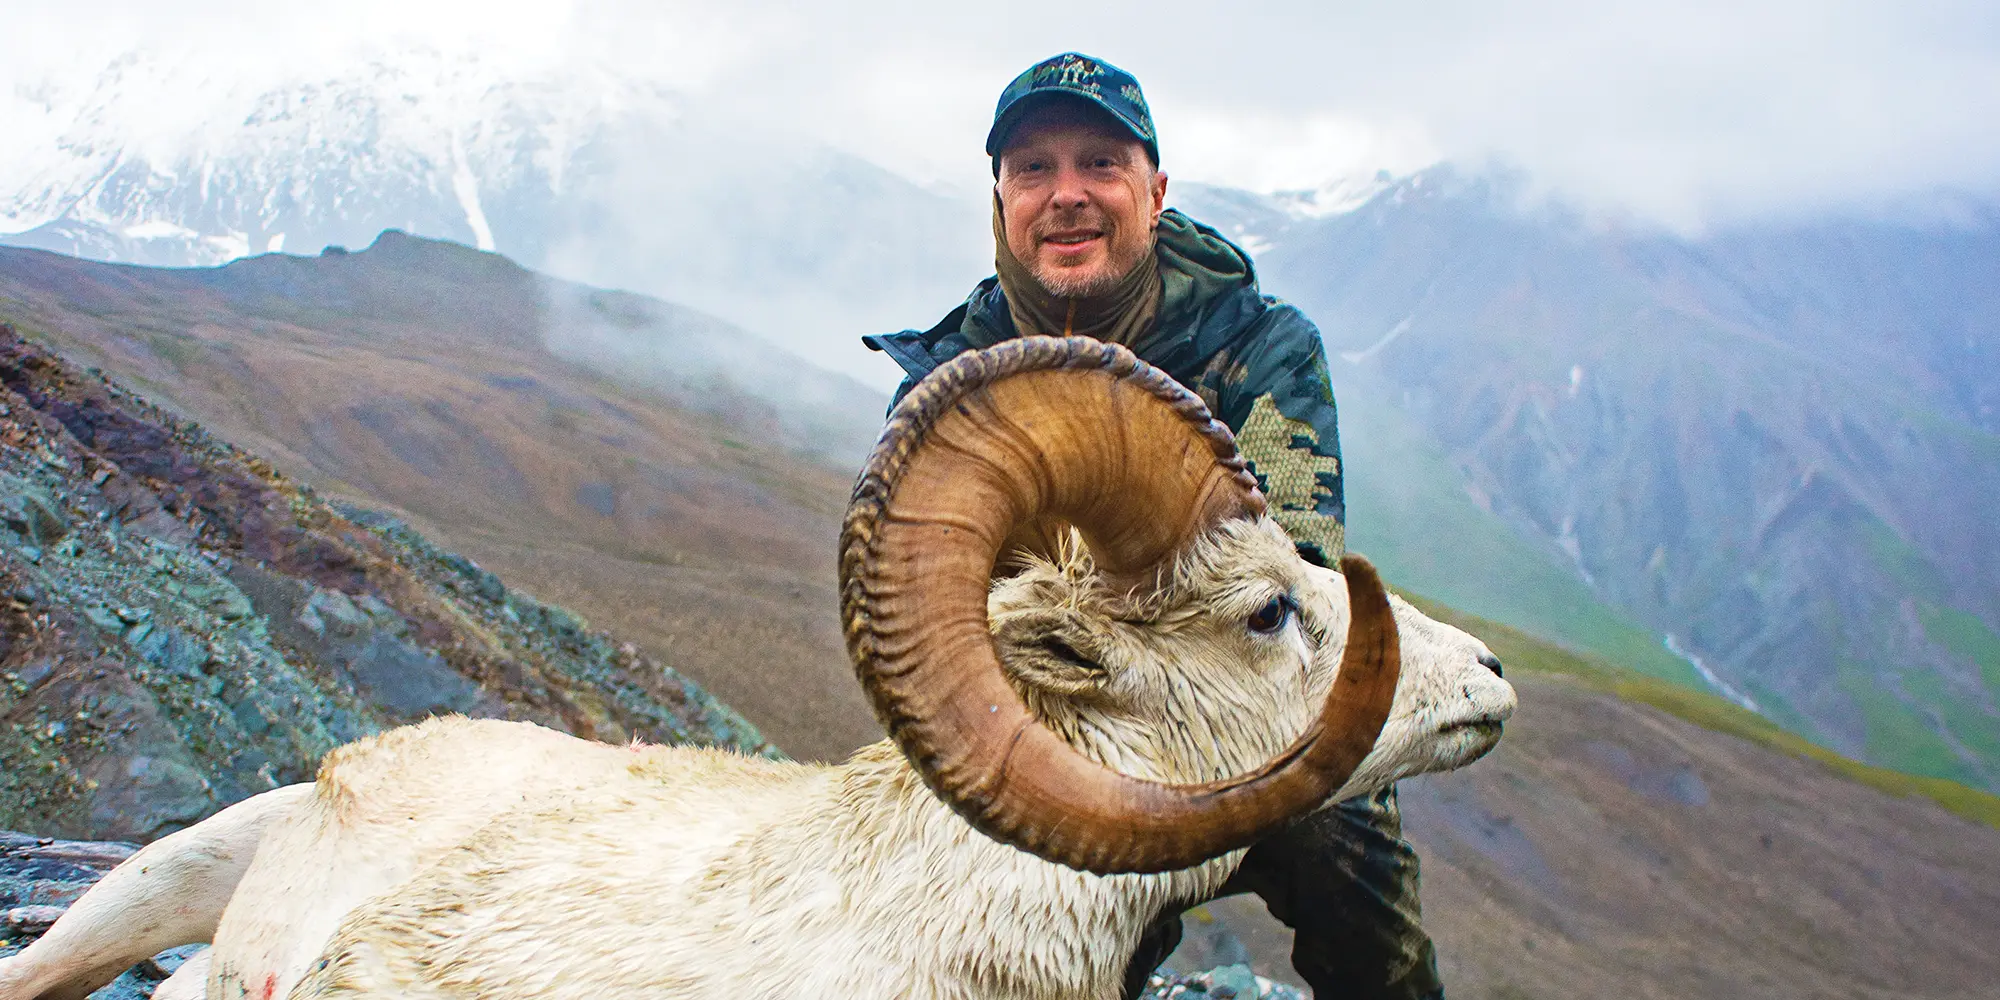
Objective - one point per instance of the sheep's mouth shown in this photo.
(1485, 726)
(1467, 741)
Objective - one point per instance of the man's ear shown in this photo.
(1159, 195)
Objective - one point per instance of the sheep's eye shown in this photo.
(1272, 616)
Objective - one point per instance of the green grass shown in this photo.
(1965, 718)
(1902, 725)
(1897, 734)
(1525, 654)
(1779, 709)
(1967, 636)
(179, 351)
(1901, 561)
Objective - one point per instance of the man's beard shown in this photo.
(1070, 283)
(1081, 282)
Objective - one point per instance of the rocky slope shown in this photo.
(671, 477)
(184, 626)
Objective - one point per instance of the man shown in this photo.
(1084, 245)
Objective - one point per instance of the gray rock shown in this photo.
(408, 680)
(1230, 982)
(30, 512)
(336, 608)
(30, 919)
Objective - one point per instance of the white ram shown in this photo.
(1088, 710)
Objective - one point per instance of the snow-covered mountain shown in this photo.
(580, 172)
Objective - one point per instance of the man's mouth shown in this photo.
(1072, 240)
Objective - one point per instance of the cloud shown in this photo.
(1686, 113)
(1278, 151)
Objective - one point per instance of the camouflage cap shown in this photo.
(1074, 75)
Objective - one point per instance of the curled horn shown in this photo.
(1076, 429)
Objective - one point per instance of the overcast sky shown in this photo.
(1686, 112)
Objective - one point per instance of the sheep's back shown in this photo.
(388, 811)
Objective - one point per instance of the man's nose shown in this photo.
(1070, 191)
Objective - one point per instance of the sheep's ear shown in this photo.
(1045, 651)
(1056, 672)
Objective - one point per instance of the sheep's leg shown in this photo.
(170, 893)
(189, 982)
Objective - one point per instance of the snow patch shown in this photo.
(1336, 197)
(1357, 357)
(158, 229)
(466, 187)
(1573, 547)
(230, 245)
(1721, 686)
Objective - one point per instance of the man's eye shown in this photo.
(1272, 616)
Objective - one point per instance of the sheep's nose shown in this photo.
(1491, 662)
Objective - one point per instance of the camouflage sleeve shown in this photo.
(1345, 881)
(1274, 392)
(1343, 878)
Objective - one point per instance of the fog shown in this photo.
(1687, 114)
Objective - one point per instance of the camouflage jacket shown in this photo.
(1256, 361)
(1343, 879)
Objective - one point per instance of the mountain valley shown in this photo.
(1630, 836)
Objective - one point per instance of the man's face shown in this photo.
(1079, 197)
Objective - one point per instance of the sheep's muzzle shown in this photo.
(997, 444)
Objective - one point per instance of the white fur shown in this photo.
(190, 981)
(489, 859)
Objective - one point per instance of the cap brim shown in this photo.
(996, 137)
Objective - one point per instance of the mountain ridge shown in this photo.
(587, 175)
(1765, 445)
(186, 627)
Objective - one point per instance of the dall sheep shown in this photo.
(1076, 746)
